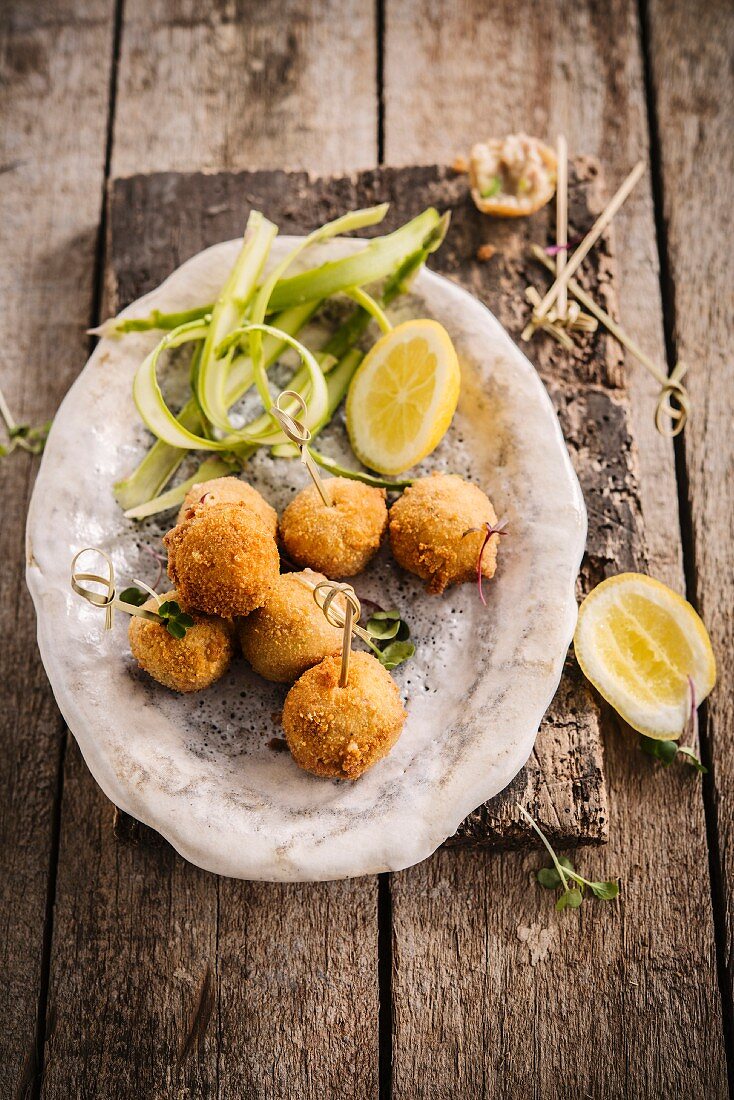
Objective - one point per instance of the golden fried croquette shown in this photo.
(191, 663)
(222, 559)
(428, 531)
(339, 540)
(340, 732)
(289, 633)
(230, 490)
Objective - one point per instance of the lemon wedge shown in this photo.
(403, 396)
(638, 642)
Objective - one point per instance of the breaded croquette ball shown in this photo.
(437, 528)
(340, 732)
(339, 540)
(230, 490)
(190, 663)
(222, 560)
(289, 633)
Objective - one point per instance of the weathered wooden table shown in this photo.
(125, 971)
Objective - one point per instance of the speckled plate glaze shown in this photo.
(200, 769)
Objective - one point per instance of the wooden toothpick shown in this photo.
(562, 221)
(575, 261)
(108, 600)
(298, 433)
(671, 386)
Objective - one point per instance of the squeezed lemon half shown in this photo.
(638, 642)
(403, 396)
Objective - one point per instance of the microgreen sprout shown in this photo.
(134, 595)
(25, 437)
(176, 621)
(562, 874)
(667, 751)
(389, 636)
(490, 529)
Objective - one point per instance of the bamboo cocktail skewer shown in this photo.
(575, 261)
(352, 612)
(671, 385)
(299, 434)
(562, 222)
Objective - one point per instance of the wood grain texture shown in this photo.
(245, 84)
(51, 178)
(492, 990)
(563, 782)
(691, 65)
(166, 981)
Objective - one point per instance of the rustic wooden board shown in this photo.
(493, 993)
(695, 121)
(51, 184)
(563, 781)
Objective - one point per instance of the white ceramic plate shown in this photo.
(200, 768)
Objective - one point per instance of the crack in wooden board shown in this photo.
(158, 221)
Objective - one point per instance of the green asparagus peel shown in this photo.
(377, 261)
(368, 303)
(119, 326)
(162, 460)
(338, 470)
(163, 423)
(357, 219)
(210, 468)
(227, 314)
(337, 384)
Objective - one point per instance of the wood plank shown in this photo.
(164, 980)
(563, 781)
(469, 975)
(51, 177)
(691, 51)
(289, 84)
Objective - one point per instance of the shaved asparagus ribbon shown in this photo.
(163, 423)
(162, 460)
(399, 256)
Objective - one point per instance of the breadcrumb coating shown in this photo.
(230, 490)
(191, 663)
(341, 732)
(428, 531)
(222, 560)
(339, 540)
(289, 633)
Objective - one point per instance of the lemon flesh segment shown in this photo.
(638, 642)
(403, 397)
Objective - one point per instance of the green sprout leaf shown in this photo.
(383, 629)
(134, 596)
(569, 899)
(549, 877)
(562, 871)
(176, 621)
(389, 634)
(693, 759)
(667, 751)
(396, 653)
(664, 751)
(607, 891)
